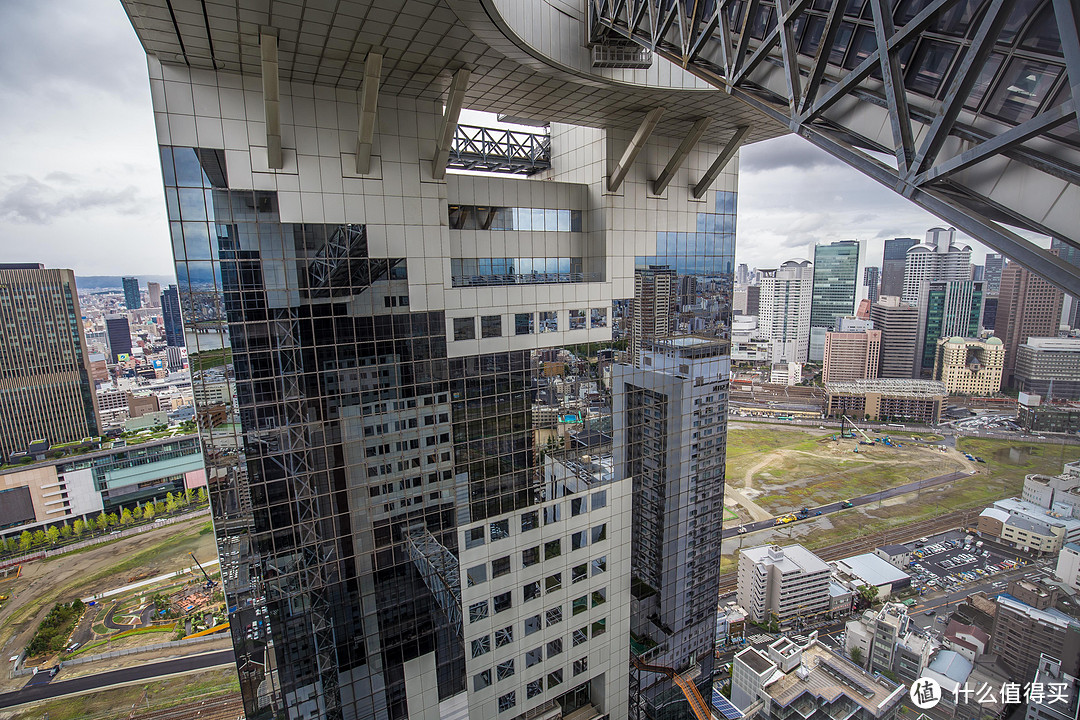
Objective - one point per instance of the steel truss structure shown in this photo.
(966, 107)
(499, 151)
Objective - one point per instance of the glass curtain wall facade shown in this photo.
(423, 496)
(836, 269)
(892, 265)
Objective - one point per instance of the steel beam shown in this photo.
(454, 99)
(721, 161)
(1068, 21)
(369, 103)
(681, 152)
(271, 97)
(634, 148)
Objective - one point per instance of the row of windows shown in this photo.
(504, 601)
(472, 272)
(526, 323)
(484, 217)
(500, 529)
(478, 574)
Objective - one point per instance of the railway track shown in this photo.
(229, 707)
(898, 535)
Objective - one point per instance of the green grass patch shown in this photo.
(53, 632)
(126, 633)
(1013, 459)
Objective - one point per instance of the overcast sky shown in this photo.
(80, 183)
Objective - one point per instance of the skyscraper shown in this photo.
(118, 333)
(993, 266)
(417, 541)
(871, 277)
(946, 309)
(899, 326)
(784, 313)
(1070, 308)
(45, 387)
(153, 294)
(171, 317)
(938, 258)
(132, 299)
(833, 297)
(892, 266)
(1028, 306)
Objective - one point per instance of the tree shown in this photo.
(102, 522)
(113, 519)
(25, 540)
(137, 513)
(52, 534)
(65, 531)
(39, 538)
(79, 527)
(159, 508)
(868, 593)
(201, 497)
(148, 512)
(857, 656)
(125, 517)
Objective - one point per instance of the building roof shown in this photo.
(955, 627)
(995, 513)
(837, 590)
(894, 549)
(952, 665)
(1049, 616)
(787, 559)
(826, 675)
(895, 387)
(1053, 344)
(755, 660)
(1036, 513)
(872, 569)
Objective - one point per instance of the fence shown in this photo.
(120, 653)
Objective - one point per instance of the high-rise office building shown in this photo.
(153, 294)
(118, 332)
(993, 266)
(171, 317)
(978, 272)
(989, 321)
(835, 279)
(851, 354)
(1048, 367)
(899, 326)
(871, 279)
(45, 387)
(414, 544)
(1028, 306)
(784, 313)
(939, 257)
(892, 265)
(1070, 308)
(946, 309)
(132, 298)
(742, 275)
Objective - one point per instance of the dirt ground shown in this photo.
(90, 571)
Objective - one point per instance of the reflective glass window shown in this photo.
(523, 323)
(490, 326)
(927, 71)
(465, 328)
(1021, 89)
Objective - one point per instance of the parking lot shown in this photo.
(947, 563)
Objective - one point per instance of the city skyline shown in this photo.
(82, 168)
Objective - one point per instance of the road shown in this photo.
(36, 690)
(861, 500)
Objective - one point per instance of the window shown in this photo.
(481, 646)
(599, 317)
(577, 506)
(599, 597)
(534, 688)
(579, 573)
(465, 328)
(502, 602)
(581, 605)
(599, 533)
(504, 636)
(531, 591)
(481, 680)
(478, 611)
(581, 665)
(579, 540)
(500, 567)
(504, 670)
(476, 575)
(530, 521)
(553, 582)
(500, 529)
(599, 499)
(599, 627)
(474, 537)
(507, 701)
(554, 678)
(581, 635)
(532, 624)
(523, 323)
(490, 326)
(552, 514)
(577, 319)
(599, 565)
(549, 321)
(534, 657)
(552, 549)
(554, 615)
(554, 648)
(530, 556)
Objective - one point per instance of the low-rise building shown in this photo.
(1026, 526)
(810, 682)
(951, 670)
(1068, 566)
(785, 373)
(892, 399)
(730, 624)
(897, 555)
(1047, 491)
(782, 583)
(968, 366)
(1034, 415)
(870, 569)
(970, 641)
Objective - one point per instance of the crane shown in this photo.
(209, 583)
(865, 436)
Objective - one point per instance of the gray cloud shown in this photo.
(24, 199)
(789, 151)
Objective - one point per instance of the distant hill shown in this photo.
(94, 283)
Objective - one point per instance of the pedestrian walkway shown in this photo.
(144, 583)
